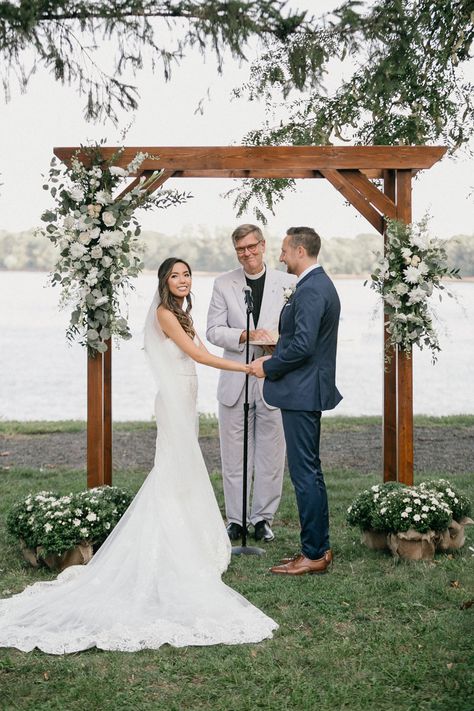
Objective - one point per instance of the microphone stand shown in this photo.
(244, 549)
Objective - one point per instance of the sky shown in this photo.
(50, 114)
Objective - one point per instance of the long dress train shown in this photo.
(157, 578)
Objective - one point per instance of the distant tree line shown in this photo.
(211, 250)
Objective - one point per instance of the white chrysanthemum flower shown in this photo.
(103, 197)
(91, 516)
(48, 527)
(404, 514)
(412, 275)
(417, 295)
(77, 194)
(76, 522)
(417, 517)
(77, 250)
(84, 532)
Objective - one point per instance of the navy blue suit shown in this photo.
(300, 380)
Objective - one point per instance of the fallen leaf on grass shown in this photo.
(449, 665)
(455, 583)
(253, 653)
(46, 676)
(466, 604)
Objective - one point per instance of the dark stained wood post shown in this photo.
(108, 413)
(389, 374)
(99, 418)
(95, 420)
(404, 360)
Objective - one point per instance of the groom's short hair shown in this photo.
(305, 237)
(243, 230)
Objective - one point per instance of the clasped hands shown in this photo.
(256, 367)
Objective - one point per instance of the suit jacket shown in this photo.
(227, 318)
(301, 374)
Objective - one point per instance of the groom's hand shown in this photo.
(256, 367)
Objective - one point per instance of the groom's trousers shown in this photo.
(302, 435)
(266, 457)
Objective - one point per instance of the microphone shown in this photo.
(248, 298)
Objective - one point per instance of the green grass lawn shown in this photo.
(370, 635)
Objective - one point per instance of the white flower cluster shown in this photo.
(97, 237)
(412, 268)
(58, 523)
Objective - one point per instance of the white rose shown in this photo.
(401, 289)
(96, 252)
(415, 260)
(85, 237)
(76, 522)
(107, 261)
(108, 219)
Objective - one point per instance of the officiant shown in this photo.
(226, 327)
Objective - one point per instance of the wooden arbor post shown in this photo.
(99, 418)
(350, 169)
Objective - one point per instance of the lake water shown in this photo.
(44, 378)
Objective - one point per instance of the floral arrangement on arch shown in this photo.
(413, 267)
(58, 523)
(94, 227)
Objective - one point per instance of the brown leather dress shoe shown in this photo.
(328, 555)
(303, 566)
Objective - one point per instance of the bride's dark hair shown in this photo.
(169, 301)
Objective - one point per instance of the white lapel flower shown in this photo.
(288, 293)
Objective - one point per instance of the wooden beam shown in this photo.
(356, 199)
(381, 202)
(389, 376)
(218, 158)
(405, 361)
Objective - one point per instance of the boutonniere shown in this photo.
(288, 293)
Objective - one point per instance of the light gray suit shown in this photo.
(266, 452)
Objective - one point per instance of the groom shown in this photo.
(300, 380)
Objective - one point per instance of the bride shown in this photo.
(157, 578)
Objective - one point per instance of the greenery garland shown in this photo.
(406, 277)
(97, 233)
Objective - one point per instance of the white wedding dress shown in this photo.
(157, 578)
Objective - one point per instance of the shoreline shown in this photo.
(333, 275)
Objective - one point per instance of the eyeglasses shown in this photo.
(250, 247)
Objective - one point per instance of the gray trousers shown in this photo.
(266, 457)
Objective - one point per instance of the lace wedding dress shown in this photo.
(157, 578)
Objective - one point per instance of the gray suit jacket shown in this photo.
(226, 319)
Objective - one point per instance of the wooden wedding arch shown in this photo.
(351, 170)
